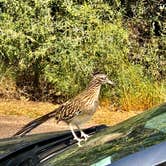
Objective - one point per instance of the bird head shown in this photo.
(102, 79)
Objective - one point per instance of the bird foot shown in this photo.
(79, 140)
(86, 136)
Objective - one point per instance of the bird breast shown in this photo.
(86, 114)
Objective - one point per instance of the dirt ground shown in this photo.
(10, 124)
(15, 114)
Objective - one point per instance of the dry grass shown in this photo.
(25, 108)
(104, 115)
(7, 88)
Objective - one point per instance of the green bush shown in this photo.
(86, 41)
(26, 29)
(51, 48)
(61, 48)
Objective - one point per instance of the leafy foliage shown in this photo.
(51, 48)
(85, 42)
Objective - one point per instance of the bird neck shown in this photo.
(94, 84)
(94, 89)
(90, 95)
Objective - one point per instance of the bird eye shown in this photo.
(104, 78)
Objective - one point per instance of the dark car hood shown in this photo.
(130, 136)
(9, 145)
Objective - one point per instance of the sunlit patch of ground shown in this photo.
(109, 117)
(25, 108)
(104, 115)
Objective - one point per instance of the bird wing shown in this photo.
(68, 111)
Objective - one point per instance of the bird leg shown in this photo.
(86, 136)
(75, 136)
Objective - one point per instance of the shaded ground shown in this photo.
(14, 114)
(10, 124)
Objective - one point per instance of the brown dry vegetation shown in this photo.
(104, 115)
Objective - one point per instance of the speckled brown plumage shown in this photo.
(75, 111)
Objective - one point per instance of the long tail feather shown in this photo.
(33, 124)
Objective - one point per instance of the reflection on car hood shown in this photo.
(9, 145)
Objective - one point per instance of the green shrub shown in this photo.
(137, 91)
(26, 28)
(87, 40)
(51, 48)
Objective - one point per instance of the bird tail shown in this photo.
(33, 124)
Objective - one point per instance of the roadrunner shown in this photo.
(75, 111)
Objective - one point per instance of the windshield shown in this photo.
(133, 135)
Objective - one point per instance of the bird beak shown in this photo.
(110, 82)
